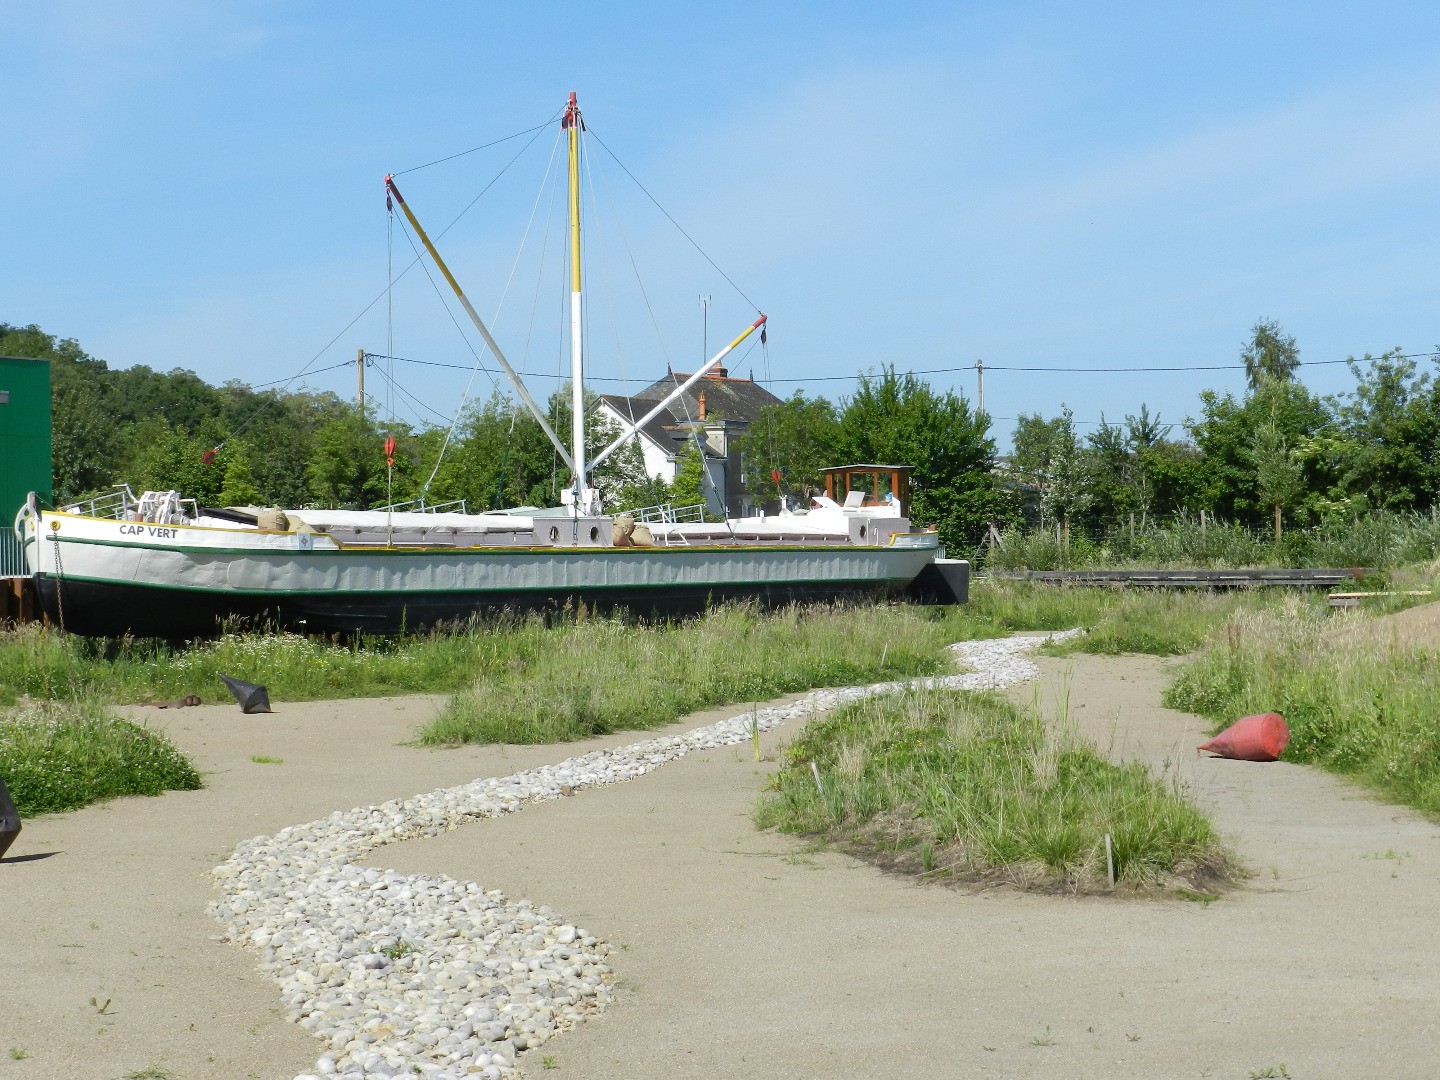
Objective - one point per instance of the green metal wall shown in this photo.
(24, 448)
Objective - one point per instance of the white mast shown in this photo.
(583, 501)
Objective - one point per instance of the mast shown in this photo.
(393, 192)
(573, 124)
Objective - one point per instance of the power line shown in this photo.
(924, 371)
(1088, 370)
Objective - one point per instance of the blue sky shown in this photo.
(1063, 185)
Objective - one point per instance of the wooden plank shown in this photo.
(1302, 577)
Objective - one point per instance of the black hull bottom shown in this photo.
(99, 609)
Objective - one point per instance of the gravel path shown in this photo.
(400, 973)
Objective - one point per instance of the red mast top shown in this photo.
(572, 113)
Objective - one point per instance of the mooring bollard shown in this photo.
(9, 820)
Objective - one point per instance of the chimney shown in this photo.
(718, 373)
(702, 404)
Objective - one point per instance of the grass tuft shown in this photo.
(64, 756)
(971, 786)
(46, 663)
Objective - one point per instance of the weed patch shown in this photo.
(1159, 622)
(48, 664)
(63, 756)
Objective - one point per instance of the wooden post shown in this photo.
(360, 376)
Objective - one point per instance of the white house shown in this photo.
(711, 413)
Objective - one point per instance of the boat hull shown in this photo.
(107, 578)
(111, 609)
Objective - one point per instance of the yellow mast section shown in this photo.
(572, 122)
(583, 501)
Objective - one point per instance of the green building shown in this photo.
(24, 448)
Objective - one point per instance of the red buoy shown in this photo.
(1262, 737)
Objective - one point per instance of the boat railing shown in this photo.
(669, 513)
(420, 506)
(118, 504)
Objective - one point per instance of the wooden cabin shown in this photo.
(877, 484)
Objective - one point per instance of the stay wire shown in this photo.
(672, 221)
(534, 134)
(410, 398)
(475, 149)
(499, 308)
(634, 266)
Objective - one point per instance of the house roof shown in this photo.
(733, 399)
(658, 431)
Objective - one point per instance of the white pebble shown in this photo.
(386, 968)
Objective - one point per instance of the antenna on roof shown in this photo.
(704, 327)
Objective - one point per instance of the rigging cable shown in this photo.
(926, 371)
(534, 134)
(677, 225)
(635, 268)
(499, 307)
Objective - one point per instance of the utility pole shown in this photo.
(704, 328)
(360, 375)
(979, 387)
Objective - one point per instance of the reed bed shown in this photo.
(1379, 541)
(970, 786)
(1358, 696)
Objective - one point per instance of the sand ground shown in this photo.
(745, 953)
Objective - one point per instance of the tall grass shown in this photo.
(1360, 700)
(45, 663)
(1160, 622)
(1378, 541)
(971, 785)
(63, 756)
(600, 675)
(742, 656)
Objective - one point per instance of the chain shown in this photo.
(59, 579)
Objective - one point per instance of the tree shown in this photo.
(1278, 475)
(1225, 435)
(1387, 453)
(688, 487)
(238, 488)
(798, 437)
(347, 463)
(899, 420)
(1048, 457)
(1270, 351)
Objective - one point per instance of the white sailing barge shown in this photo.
(159, 565)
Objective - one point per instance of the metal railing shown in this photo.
(420, 506)
(668, 513)
(118, 504)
